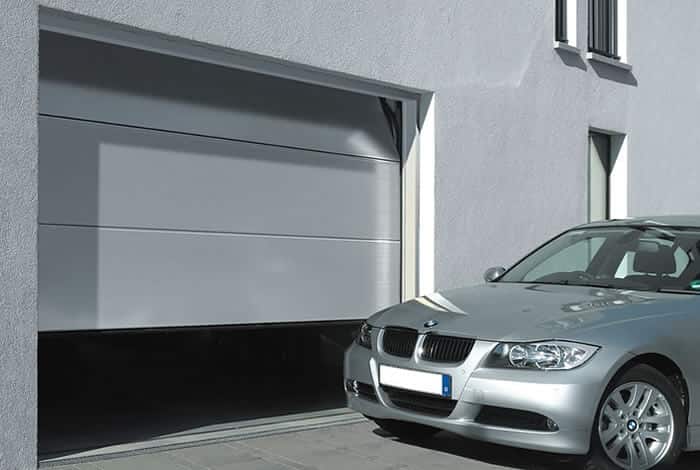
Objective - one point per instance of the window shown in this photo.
(565, 25)
(602, 27)
(575, 257)
(680, 256)
(560, 29)
(599, 169)
(639, 257)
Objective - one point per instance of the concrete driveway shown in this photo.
(360, 446)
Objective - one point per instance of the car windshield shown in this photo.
(632, 257)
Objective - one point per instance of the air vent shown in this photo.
(419, 402)
(515, 419)
(399, 341)
(438, 348)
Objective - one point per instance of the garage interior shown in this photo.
(209, 239)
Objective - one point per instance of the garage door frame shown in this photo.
(418, 123)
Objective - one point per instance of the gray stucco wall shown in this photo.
(664, 116)
(512, 119)
(18, 217)
(512, 116)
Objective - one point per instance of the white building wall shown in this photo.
(512, 116)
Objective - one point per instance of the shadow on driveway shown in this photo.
(509, 457)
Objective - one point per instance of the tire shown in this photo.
(661, 427)
(406, 430)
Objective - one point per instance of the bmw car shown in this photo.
(589, 346)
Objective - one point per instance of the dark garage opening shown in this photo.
(105, 388)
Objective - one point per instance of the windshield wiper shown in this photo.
(602, 285)
(566, 282)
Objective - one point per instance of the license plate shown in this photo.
(416, 381)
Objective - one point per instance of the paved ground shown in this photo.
(347, 447)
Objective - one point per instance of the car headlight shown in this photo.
(364, 337)
(545, 355)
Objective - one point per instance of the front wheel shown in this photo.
(406, 430)
(640, 424)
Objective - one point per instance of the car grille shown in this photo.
(420, 402)
(399, 341)
(438, 348)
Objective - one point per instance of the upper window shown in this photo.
(565, 24)
(602, 27)
(560, 29)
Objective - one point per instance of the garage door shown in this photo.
(178, 193)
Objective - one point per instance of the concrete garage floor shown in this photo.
(343, 447)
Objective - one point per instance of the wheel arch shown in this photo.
(668, 367)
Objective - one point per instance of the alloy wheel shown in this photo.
(636, 426)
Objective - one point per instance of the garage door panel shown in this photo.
(96, 174)
(98, 278)
(140, 88)
(178, 193)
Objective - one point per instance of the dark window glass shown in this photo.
(602, 27)
(560, 23)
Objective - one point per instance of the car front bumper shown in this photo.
(568, 398)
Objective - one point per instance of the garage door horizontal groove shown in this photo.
(95, 278)
(217, 232)
(107, 82)
(215, 137)
(103, 175)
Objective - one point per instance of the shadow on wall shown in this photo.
(604, 71)
(615, 74)
(572, 60)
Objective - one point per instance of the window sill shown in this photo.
(609, 61)
(564, 46)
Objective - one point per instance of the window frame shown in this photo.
(604, 142)
(564, 25)
(560, 21)
(603, 28)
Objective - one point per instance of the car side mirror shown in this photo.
(492, 274)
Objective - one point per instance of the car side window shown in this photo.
(575, 257)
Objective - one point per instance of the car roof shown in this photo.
(668, 220)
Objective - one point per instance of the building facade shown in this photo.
(495, 124)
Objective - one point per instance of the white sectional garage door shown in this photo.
(177, 193)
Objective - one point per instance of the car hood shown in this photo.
(527, 312)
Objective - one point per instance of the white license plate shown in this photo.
(415, 380)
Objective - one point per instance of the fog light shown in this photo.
(551, 425)
(351, 386)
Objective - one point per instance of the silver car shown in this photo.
(588, 346)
